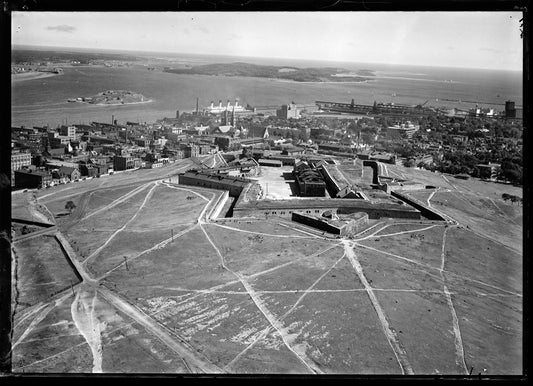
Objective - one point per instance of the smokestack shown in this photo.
(112, 119)
(220, 103)
(196, 105)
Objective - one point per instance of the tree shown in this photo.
(409, 163)
(70, 206)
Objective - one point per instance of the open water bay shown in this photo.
(44, 101)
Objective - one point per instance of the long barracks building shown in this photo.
(245, 207)
(205, 179)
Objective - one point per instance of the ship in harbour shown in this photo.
(219, 109)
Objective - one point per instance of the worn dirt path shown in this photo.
(458, 341)
(390, 334)
(192, 359)
(97, 251)
(87, 323)
(271, 318)
(267, 330)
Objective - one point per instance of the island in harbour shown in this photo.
(113, 97)
(323, 74)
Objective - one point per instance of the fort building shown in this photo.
(249, 206)
(332, 223)
(310, 181)
(205, 179)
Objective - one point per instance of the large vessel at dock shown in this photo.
(212, 109)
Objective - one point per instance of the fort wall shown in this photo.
(285, 208)
(343, 227)
(424, 210)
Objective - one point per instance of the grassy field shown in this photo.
(268, 227)
(262, 252)
(484, 260)
(129, 245)
(357, 174)
(421, 195)
(55, 344)
(267, 297)
(24, 206)
(188, 263)
(418, 243)
(483, 217)
(42, 270)
(341, 334)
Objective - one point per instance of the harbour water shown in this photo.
(44, 101)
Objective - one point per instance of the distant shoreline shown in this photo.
(31, 75)
(322, 81)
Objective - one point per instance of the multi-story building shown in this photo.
(88, 170)
(32, 179)
(311, 183)
(191, 150)
(123, 162)
(288, 111)
(58, 140)
(68, 131)
(206, 149)
(401, 131)
(144, 142)
(228, 143)
(19, 159)
(72, 174)
(489, 171)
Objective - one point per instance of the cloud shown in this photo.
(61, 28)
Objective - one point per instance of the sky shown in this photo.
(488, 40)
